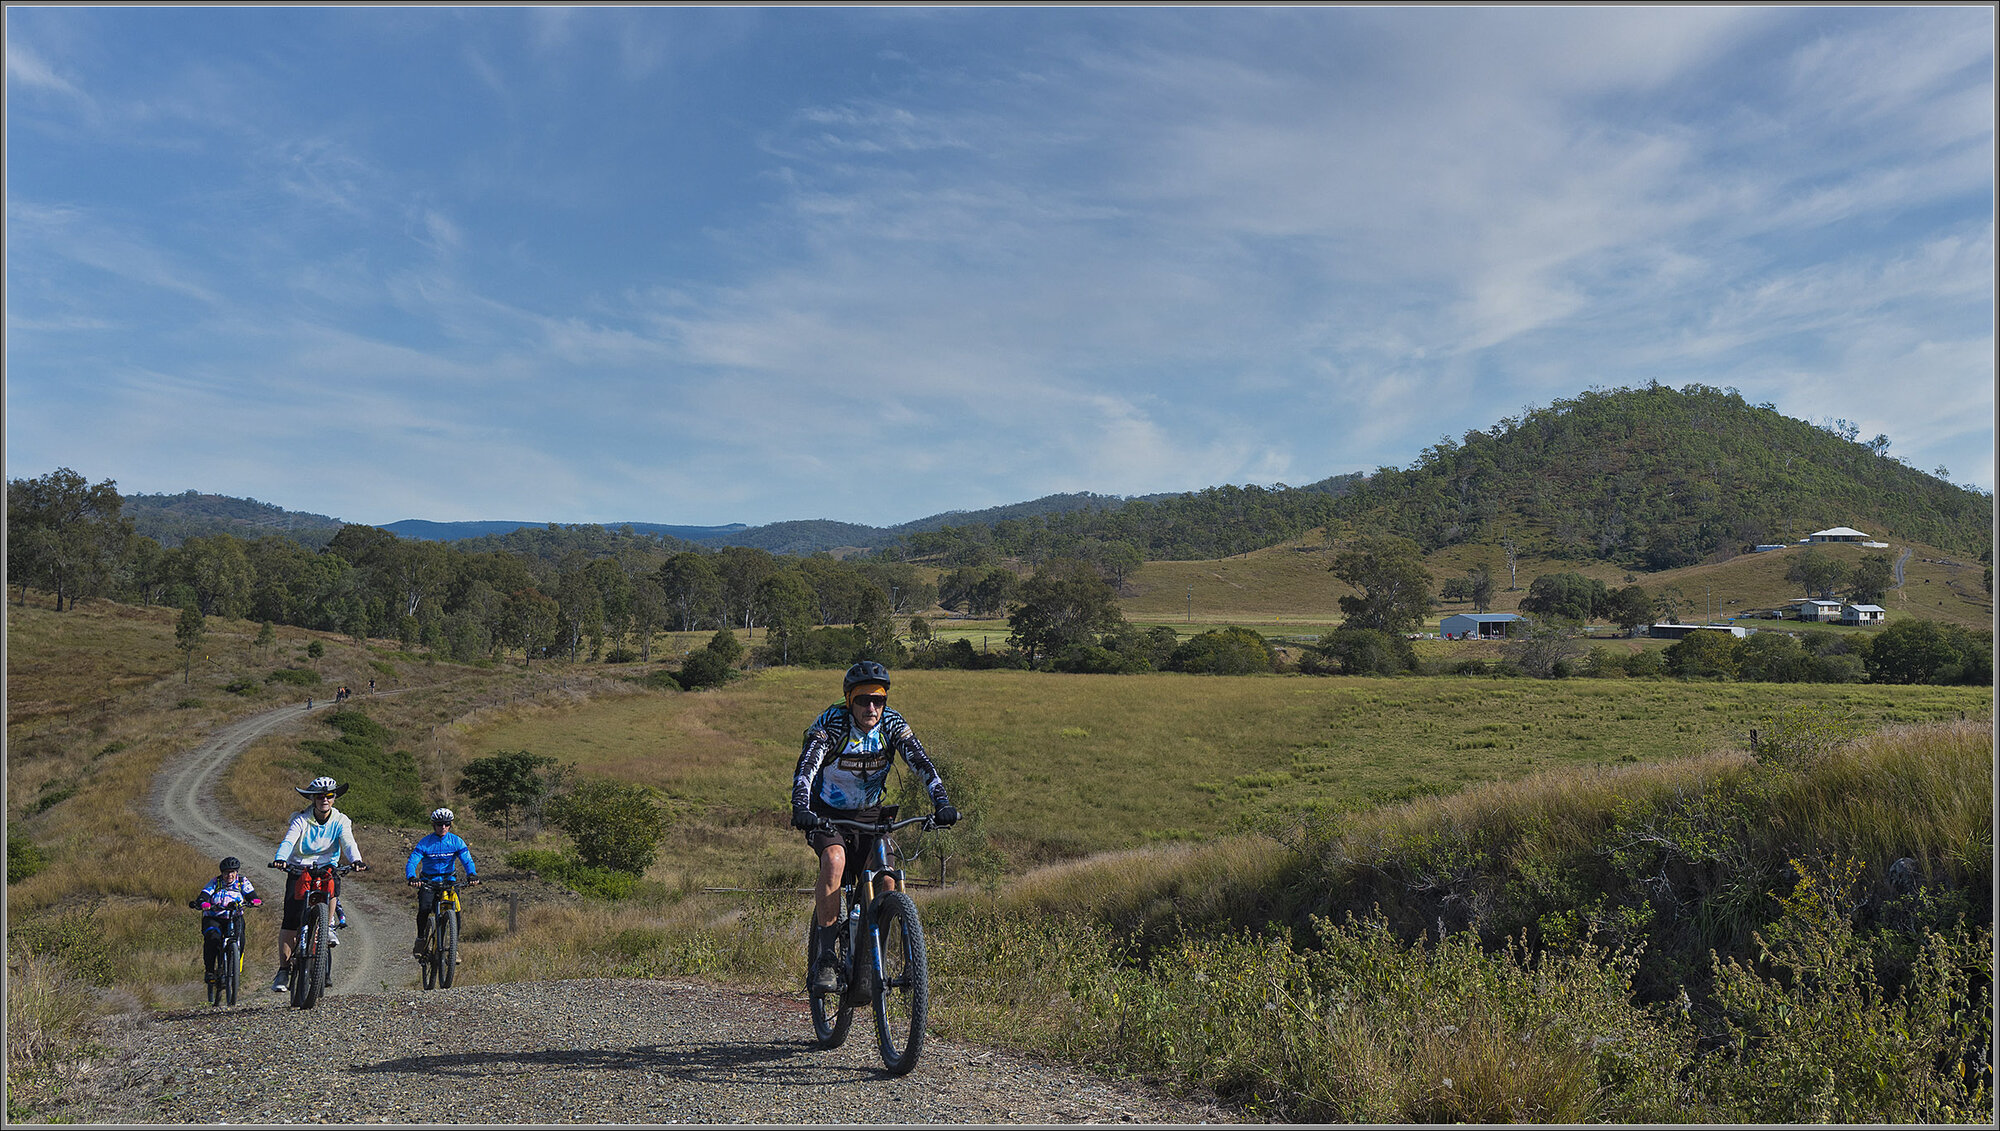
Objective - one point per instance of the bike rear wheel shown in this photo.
(430, 962)
(448, 953)
(832, 1010)
(903, 991)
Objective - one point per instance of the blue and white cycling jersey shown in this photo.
(436, 857)
(845, 770)
(227, 898)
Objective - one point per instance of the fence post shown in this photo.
(513, 911)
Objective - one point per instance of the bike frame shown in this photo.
(313, 883)
(861, 901)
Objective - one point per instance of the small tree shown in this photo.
(615, 825)
(188, 634)
(501, 783)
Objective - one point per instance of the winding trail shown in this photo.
(186, 805)
(595, 1051)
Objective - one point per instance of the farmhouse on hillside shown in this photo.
(1844, 534)
(1479, 626)
(1814, 609)
(1862, 614)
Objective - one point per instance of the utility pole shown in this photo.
(1190, 604)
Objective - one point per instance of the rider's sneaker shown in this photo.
(282, 982)
(826, 977)
(418, 951)
(336, 940)
(208, 979)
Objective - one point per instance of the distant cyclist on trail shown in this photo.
(436, 857)
(317, 834)
(222, 901)
(843, 769)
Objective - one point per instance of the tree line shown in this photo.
(69, 537)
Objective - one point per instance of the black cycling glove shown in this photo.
(945, 817)
(804, 819)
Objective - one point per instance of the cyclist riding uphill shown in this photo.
(221, 904)
(843, 769)
(436, 857)
(317, 834)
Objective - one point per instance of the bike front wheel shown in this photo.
(832, 1010)
(903, 987)
(232, 970)
(306, 988)
(448, 952)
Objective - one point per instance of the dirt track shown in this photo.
(185, 804)
(606, 1051)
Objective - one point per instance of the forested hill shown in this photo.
(1658, 478)
(172, 519)
(1652, 478)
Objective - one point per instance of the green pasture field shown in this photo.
(1063, 766)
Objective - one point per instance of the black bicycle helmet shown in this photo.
(867, 671)
(229, 864)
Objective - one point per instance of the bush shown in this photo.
(383, 787)
(704, 668)
(243, 686)
(574, 874)
(1228, 651)
(1368, 651)
(615, 825)
(294, 677)
(24, 858)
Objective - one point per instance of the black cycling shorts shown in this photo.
(860, 846)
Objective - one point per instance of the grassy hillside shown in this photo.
(1179, 815)
(1288, 584)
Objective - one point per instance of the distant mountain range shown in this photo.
(1651, 478)
(458, 531)
(172, 519)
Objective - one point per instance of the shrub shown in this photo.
(243, 686)
(704, 668)
(1368, 651)
(615, 825)
(383, 786)
(24, 858)
(601, 883)
(1825, 1042)
(1227, 651)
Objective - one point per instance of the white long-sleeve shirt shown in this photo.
(308, 841)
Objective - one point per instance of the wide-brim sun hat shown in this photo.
(320, 785)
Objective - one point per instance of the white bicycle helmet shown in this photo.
(441, 816)
(321, 785)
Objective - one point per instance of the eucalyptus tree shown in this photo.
(64, 534)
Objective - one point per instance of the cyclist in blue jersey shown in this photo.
(221, 904)
(315, 835)
(843, 770)
(436, 857)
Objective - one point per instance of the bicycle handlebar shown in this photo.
(880, 828)
(300, 869)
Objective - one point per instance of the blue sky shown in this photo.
(711, 265)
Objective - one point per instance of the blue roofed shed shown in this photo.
(1480, 626)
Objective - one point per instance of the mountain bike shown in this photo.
(312, 958)
(880, 946)
(228, 974)
(440, 958)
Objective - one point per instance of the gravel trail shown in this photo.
(594, 1051)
